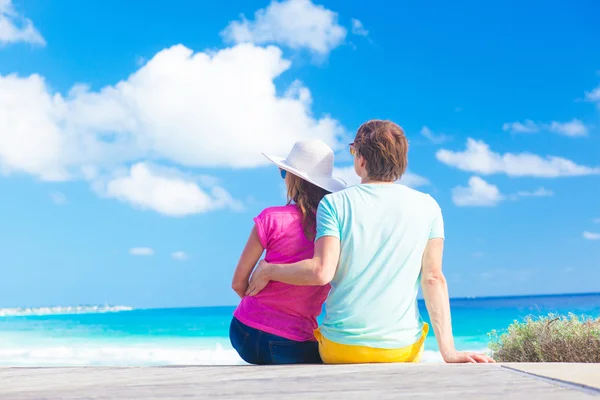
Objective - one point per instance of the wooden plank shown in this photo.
(381, 381)
(581, 374)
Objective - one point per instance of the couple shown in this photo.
(365, 249)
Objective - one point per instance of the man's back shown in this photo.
(383, 230)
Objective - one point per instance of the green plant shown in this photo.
(552, 338)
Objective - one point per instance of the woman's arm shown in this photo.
(246, 264)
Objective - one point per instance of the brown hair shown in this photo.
(306, 196)
(384, 147)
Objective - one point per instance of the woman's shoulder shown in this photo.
(272, 221)
(274, 211)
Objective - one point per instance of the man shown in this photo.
(375, 242)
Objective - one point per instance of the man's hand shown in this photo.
(467, 357)
(259, 279)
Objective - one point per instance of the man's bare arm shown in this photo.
(317, 271)
(437, 300)
(435, 292)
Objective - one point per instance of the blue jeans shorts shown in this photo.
(261, 348)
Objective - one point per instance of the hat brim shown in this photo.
(330, 184)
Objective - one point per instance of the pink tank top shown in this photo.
(284, 310)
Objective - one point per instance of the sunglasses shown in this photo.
(283, 173)
(352, 149)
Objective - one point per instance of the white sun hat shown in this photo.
(311, 160)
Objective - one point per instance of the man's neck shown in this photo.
(374, 181)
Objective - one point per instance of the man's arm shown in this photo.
(435, 292)
(437, 300)
(317, 271)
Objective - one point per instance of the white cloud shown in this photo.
(350, 177)
(413, 180)
(358, 28)
(188, 109)
(479, 193)
(435, 138)
(199, 110)
(283, 190)
(347, 174)
(141, 251)
(596, 220)
(16, 28)
(165, 191)
(540, 192)
(594, 95)
(483, 194)
(480, 159)
(591, 235)
(572, 128)
(32, 140)
(295, 24)
(179, 255)
(58, 198)
(521, 127)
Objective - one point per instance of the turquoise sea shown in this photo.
(107, 335)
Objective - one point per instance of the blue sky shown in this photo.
(130, 137)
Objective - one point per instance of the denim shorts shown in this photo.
(261, 348)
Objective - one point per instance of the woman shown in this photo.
(276, 326)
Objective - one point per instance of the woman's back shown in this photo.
(284, 310)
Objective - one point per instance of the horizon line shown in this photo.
(573, 294)
(420, 299)
(517, 296)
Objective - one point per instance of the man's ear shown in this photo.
(362, 162)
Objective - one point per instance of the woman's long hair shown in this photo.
(306, 196)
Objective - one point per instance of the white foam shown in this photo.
(57, 310)
(116, 355)
(432, 356)
(142, 354)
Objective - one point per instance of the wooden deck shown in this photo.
(389, 381)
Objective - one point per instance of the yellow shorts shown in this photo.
(336, 353)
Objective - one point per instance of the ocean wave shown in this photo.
(58, 310)
(142, 354)
(432, 356)
(107, 355)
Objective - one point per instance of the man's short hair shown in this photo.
(384, 147)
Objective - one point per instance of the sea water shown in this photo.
(122, 336)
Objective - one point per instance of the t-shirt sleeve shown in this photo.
(437, 223)
(264, 228)
(327, 222)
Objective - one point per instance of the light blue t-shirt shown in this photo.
(383, 230)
